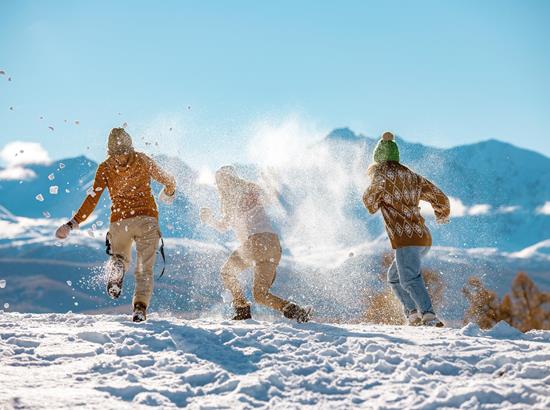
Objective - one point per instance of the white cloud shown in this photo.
(17, 173)
(458, 209)
(15, 155)
(18, 153)
(544, 209)
(479, 209)
(508, 209)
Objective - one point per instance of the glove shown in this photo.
(205, 215)
(64, 230)
(167, 199)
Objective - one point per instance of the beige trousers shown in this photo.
(145, 232)
(262, 252)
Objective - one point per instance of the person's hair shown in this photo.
(119, 142)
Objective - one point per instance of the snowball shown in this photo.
(2, 283)
(54, 189)
(39, 198)
(46, 214)
(6, 305)
(99, 223)
(61, 165)
(69, 283)
(51, 177)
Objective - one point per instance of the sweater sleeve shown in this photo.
(439, 201)
(93, 195)
(160, 175)
(373, 194)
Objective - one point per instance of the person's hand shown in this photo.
(64, 230)
(205, 215)
(167, 197)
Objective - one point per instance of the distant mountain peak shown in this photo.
(344, 134)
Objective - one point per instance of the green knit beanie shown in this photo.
(386, 149)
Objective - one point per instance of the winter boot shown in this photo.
(140, 312)
(293, 311)
(116, 277)
(242, 313)
(414, 318)
(430, 319)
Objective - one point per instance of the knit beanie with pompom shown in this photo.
(119, 142)
(386, 149)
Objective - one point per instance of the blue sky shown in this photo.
(442, 73)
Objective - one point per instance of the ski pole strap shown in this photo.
(161, 250)
(108, 245)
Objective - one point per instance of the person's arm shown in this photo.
(373, 194)
(160, 175)
(439, 201)
(88, 206)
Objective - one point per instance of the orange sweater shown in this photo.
(397, 191)
(128, 179)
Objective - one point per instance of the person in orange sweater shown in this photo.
(396, 191)
(127, 175)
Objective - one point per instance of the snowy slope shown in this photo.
(106, 362)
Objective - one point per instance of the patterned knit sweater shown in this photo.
(397, 191)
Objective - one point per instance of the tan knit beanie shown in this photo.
(119, 142)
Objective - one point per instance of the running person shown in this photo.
(242, 209)
(127, 175)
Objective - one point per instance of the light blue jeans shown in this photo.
(405, 278)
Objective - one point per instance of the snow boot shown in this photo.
(414, 318)
(140, 312)
(116, 277)
(430, 319)
(293, 311)
(242, 313)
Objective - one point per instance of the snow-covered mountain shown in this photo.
(332, 248)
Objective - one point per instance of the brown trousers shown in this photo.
(145, 232)
(262, 252)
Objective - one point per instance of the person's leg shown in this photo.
(121, 250)
(404, 297)
(264, 276)
(147, 236)
(229, 272)
(265, 250)
(410, 276)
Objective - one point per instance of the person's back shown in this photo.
(397, 191)
(128, 179)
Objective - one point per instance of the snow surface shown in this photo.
(107, 362)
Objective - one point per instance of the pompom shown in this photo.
(387, 136)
